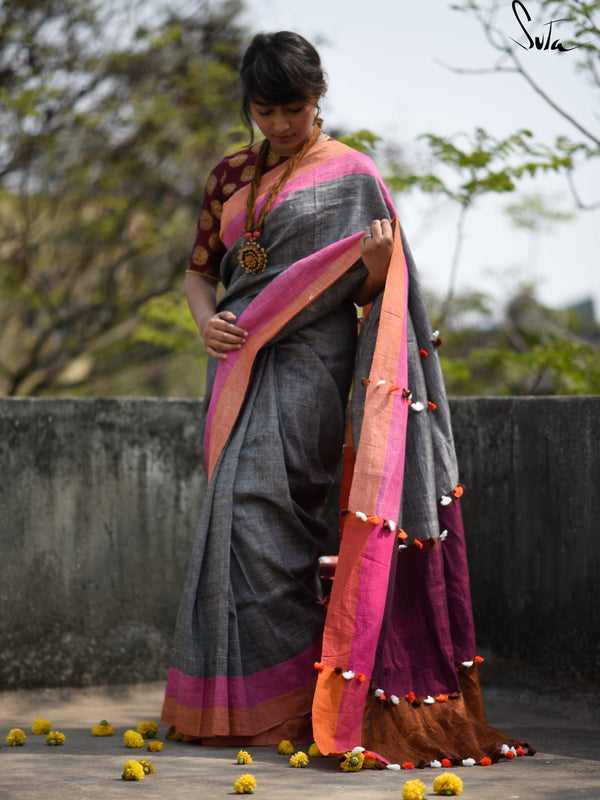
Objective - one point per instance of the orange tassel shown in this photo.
(431, 406)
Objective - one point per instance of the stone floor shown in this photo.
(564, 729)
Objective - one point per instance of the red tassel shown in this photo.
(423, 353)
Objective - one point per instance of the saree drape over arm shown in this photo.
(251, 621)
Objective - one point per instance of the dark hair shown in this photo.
(280, 68)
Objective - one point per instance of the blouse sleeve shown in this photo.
(208, 249)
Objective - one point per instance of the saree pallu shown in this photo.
(251, 624)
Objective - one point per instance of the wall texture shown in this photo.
(99, 500)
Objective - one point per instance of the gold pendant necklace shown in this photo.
(252, 257)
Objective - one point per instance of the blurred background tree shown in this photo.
(110, 117)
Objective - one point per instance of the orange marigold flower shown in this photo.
(407, 765)
(402, 534)
(458, 491)
(485, 762)
(520, 751)
(509, 754)
(431, 406)
(446, 763)
(478, 660)
(441, 698)
(418, 544)
(319, 666)
(410, 697)
(423, 353)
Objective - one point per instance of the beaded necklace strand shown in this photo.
(251, 256)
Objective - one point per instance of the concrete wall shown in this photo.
(99, 500)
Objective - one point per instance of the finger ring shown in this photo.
(368, 236)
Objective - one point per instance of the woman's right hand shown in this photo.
(221, 336)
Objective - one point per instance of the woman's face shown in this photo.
(286, 127)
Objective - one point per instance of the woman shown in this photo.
(298, 230)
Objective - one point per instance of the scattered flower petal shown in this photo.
(133, 739)
(16, 737)
(352, 763)
(245, 784)
(414, 790)
(147, 729)
(55, 738)
(133, 771)
(154, 746)
(447, 784)
(103, 728)
(348, 675)
(41, 727)
(299, 760)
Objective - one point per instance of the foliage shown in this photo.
(531, 350)
(107, 131)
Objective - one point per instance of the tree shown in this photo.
(104, 148)
(581, 19)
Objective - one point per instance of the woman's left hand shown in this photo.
(376, 247)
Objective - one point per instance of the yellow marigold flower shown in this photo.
(133, 771)
(41, 726)
(414, 790)
(314, 752)
(285, 747)
(147, 729)
(147, 766)
(172, 734)
(243, 757)
(352, 763)
(55, 738)
(448, 784)
(133, 739)
(16, 737)
(155, 746)
(245, 784)
(299, 759)
(103, 728)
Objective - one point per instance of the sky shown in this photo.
(392, 67)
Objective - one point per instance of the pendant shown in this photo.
(252, 257)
